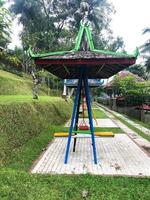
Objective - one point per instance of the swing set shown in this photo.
(83, 64)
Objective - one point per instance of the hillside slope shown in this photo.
(12, 84)
(24, 119)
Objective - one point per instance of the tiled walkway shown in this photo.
(116, 156)
(145, 144)
(105, 123)
(123, 154)
(140, 127)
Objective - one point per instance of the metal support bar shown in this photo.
(87, 94)
(74, 113)
(77, 119)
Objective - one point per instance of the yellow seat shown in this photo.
(101, 134)
(61, 134)
(104, 134)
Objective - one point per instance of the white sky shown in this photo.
(16, 30)
(131, 17)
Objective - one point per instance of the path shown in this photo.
(123, 154)
(143, 143)
(98, 123)
(138, 126)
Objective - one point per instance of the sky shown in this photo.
(131, 17)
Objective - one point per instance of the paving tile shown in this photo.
(98, 123)
(116, 156)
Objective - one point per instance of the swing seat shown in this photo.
(62, 134)
(83, 127)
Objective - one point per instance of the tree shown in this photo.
(138, 70)
(5, 24)
(145, 50)
(53, 25)
(134, 92)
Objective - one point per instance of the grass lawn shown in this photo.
(9, 99)
(24, 156)
(141, 133)
(133, 127)
(114, 130)
(22, 119)
(12, 84)
(146, 125)
(100, 129)
(27, 127)
(19, 185)
(16, 183)
(96, 113)
(99, 114)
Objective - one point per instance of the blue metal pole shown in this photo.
(77, 120)
(74, 113)
(87, 94)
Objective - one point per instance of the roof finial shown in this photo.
(84, 9)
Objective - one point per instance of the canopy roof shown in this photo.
(99, 63)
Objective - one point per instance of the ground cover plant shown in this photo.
(96, 113)
(12, 84)
(141, 133)
(21, 121)
(146, 125)
(27, 126)
(20, 185)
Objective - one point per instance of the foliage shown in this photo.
(116, 85)
(5, 24)
(135, 93)
(138, 70)
(11, 60)
(51, 25)
(145, 50)
(97, 91)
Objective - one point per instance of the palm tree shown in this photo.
(146, 50)
(47, 20)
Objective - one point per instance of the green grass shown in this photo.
(96, 113)
(15, 183)
(141, 133)
(114, 130)
(27, 127)
(9, 99)
(23, 157)
(24, 120)
(99, 114)
(11, 84)
(146, 125)
(100, 129)
(19, 185)
(12, 76)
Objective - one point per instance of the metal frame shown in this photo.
(75, 115)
